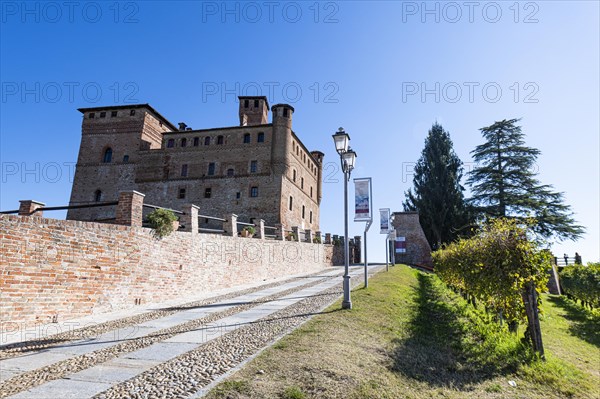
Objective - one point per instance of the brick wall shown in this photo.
(418, 251)
(64, 269)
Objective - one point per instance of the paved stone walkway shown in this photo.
(176, 356)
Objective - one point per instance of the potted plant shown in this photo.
(163, 222)
(248, 231)
(291, 237)
(316, 240)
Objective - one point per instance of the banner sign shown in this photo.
(384, 215)
(362, 200)
(400, 245)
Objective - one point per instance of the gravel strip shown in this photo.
(75, 364)
(190, 372)
(15, 349)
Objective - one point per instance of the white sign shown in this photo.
(362, 200)
(384, 220)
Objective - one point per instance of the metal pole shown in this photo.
(387, 255)
(346, 303)
(366, 278)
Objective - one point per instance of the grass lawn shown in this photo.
(410, 337)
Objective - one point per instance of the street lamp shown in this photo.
(347, 157)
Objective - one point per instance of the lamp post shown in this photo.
(347, 157)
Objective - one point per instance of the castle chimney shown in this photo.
(182, 126)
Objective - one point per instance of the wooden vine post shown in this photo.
(529, 295)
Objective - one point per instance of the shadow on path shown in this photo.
(440, 350)
(584, 324)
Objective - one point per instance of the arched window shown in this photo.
(291, 202)
(261, 137)
(302, 182)
(230, 172)
(170, 143)
(183, 142)
(219, 140)
(107, 155)
(207, 140)
(98, 196)
(196, 141)
(310, 220)
(303, 211)
(294, 175)
(246, 138)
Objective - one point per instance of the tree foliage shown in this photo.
(504, 184)
(495, 266)
(438, 195)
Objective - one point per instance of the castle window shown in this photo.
(184, 142)
(238, 195)
(160, 123)
(125, 158)
(170, 143)
(246, 103)
(255, 103)
(253, 166)
(310, 220)
(303, 211)
(298, 150)
(107, 155)
(211, 169)
(254, 192)
(311, 192)
(132, 112)
(230, 172)
(181, 194)
(102, 114)
(98, 196)
(207, 140)
(302, 182)
(285, 112)
(291, 203)
(184, 170)
(294, 175)
(92, 115)
(246, 138)
(261, 137)
(207, 192)
(113, 114)
(219, 139)
(196, 141)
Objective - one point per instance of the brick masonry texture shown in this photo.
(251, 170)
(64, 269)
(418, 251)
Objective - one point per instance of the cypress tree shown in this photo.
(438, 195)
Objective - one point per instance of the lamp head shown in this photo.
(349, 159)
(341, 140)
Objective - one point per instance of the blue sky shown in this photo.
(385, 71)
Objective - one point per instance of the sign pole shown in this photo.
(365, 240)
(363, 210)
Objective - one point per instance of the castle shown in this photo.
(255, 170)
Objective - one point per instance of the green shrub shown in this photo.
(494, 267)
(582, 283)
(250, 229)
(161, 220)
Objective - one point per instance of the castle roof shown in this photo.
(130, 106)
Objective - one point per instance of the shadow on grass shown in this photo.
(441, 349)
(584, 324)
